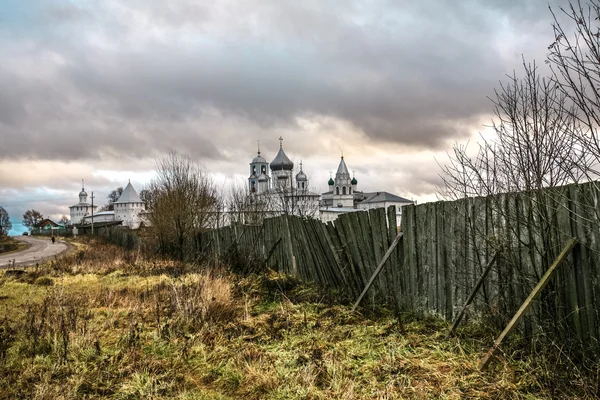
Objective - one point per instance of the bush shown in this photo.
(44, 281)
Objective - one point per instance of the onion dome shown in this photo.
(82, 193)
(354, 181)
(281, 162)
(259, 159)
(331, 182)
(301, 176)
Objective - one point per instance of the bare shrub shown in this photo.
(185, 202)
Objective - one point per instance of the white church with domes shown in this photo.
(81, 209)
(274, 184)
(344, 197)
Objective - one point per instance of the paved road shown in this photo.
(39, 250)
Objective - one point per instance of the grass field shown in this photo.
(10, 245)
(105, 323)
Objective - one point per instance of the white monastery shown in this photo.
(128, 211)
(343, 195)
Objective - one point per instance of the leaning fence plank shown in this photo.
(378, 270)
(472, 295)
(528, 302)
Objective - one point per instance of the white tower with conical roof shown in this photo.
(128, 208)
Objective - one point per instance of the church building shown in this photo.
(81, 209)
(344, 197)
(277, 189)
(129, 210)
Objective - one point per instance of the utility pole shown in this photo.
(92, 213)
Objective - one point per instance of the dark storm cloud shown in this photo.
(131, 79)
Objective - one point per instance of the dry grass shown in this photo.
(107, 323)
(10, 245)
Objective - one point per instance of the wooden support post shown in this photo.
(528, 302)
(272, 251)
(378, 270)
(488, 268)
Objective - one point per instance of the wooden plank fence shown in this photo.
(343, 255)
(445, 249)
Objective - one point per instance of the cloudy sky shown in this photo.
(96, 90)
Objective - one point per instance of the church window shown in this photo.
(349, 190)
(302, 185)
(344, 190)
(337, 190)
(263, 169)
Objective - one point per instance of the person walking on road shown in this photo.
(53, 240)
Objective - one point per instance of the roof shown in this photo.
(281, 161)
(47, 221)
(83, 205)
(100, 214)
(379, 197)
(342, 168)
(263, 178)
(129, 195)
(259, 159)
(339, 209)
(301, 177)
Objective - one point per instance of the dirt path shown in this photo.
(39, 250)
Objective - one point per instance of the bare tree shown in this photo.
(32, 218)
(64, 220)
(112, 197)
(574, 57)
(245, 208)
(535, 143)
(5, 224)
(185, 202)
(146, 195)
(294, 198)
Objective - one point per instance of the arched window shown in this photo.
(344, 190)
(337, 190)
(349, 190)
(302, 185)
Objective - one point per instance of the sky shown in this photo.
(97, 90)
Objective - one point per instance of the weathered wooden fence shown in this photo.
(443, 253)
(341, 256)
(447, 245)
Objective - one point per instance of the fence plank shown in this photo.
(528, 302)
